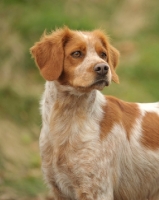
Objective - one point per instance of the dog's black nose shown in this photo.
(101, 68)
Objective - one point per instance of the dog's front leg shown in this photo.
(57, 195)
(94, 192)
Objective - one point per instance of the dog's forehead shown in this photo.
(83, 40)
(85, 35)
(89, 37)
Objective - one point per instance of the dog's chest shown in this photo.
(73, 155)
(73, 120)
(74, 138)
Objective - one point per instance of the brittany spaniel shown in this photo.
(93, 147)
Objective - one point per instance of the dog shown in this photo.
(93, 147)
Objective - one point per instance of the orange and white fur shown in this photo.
(93, 147)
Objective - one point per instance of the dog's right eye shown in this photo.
(76, 54)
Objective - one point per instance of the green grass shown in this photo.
(21, 110)
(27, 186)
(22, 24)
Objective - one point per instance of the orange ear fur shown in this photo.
(49, 54)
(113, 61)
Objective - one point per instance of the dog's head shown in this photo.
(82, 60)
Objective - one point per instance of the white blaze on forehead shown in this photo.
(84, 35)
(91, 56)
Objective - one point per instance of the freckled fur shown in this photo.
(93, 147)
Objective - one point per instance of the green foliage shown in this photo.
(27, 186)
(21, 110)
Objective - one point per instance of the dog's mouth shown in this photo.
(100, 83)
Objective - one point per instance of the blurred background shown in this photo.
(133, 26)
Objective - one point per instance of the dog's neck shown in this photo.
(65, 99)
(68, 97)
(68, 113)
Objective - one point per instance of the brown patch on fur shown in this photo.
(112, 115)
(150, 127)
(117, 111)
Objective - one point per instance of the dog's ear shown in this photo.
(49, 54)
(113, 61)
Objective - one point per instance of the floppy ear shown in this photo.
(113, 61)
(49, 54)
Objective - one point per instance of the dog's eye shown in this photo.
(103, 55)
(76, 54)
